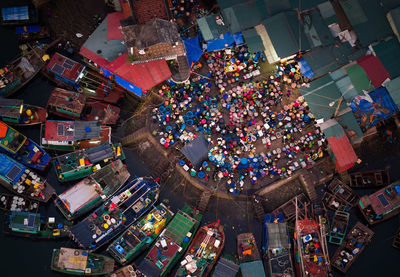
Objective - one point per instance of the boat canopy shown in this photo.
(277, 235)
(253, 269)
(10, 108)
(15, 13)
(100, 152)
(29, 222)
(75, 259)
(10, 169)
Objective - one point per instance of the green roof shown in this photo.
(209, 28)
(393, 87)
(273, 6)
(327, 12)
(332, 128)
(368, 19)
(253, 40)
(344, 84)
(229, 3)
(283, 30)
(107, 49)
(359, 78)
(316, 29)
(388, 53)
(242, 16)
(349, 122)
(305, 5)
(394, 20)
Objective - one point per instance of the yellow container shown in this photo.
(105, 226)
(28, 182)
(82, 162)
(118, 150)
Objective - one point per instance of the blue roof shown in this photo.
(10, 169)
(193, 50)
(27, 29)
(227, 41)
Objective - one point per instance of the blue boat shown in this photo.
(22, 181)
(22, 149)
(119, 212)
(276, 246)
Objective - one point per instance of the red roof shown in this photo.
(343, 152)
(70, 69)
(113, 26)
(53, 129)
(143, 75)
(93, 57)
(374, 68)
(146, 10)
(126, 10)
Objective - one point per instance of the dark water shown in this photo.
(22, 257)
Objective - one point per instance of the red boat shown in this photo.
(203, 252)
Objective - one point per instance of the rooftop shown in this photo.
(67, 100)
(65, 67)
(146, 10)
(71, 130)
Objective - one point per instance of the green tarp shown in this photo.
(209, 27)
(388, 53)
(253, 41)
(359, 78)
(393, 87)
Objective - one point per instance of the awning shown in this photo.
(196, 151)
(193, 50)
(227, 41)
(343, 153)
(375, 70)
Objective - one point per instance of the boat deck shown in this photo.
(374, 178)
(225, 268)
(342, 191)
(339, 227)
(247, 248)
(10, 202)
(63, 101)
(288, 209)
(10, 139)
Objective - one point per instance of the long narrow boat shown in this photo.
(15, 112)
(126, 271)
(70, 74)
(339, 196)
(22, 149)
(33, 225)
(203, 252)
(171, 244)
(276, 246)
(366, 179)
(311, 258)
(22, 181)
(339, 227)
(92, 191)
(141, 235)
(32, 32)
(74, 105)
(249, 256)
(63, 135)
(381, 205)
(225, 268)
(121, 210)
(11, 203)
(82, 163)
(80, 262)
(351, 248)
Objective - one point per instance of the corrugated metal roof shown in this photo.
(316, 29)
(374, 68)
(327, 12)
(277, 235)
(388, 53)
(209, 28)
(393, 87)
(349, 122)
(229, 3)
(344, 84)
(393, 17)
(359, 78)
(253, 40)
(225, 268)
(253, 269)
(305, 5)
(243, 16)
(331, 128)
(274, 6)
(86, 130)
(345, 157)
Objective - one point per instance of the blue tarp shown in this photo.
(193, 50)
(15, 13)
(305, 68)
(227, 41)
(369, 113)
(196, 151)
(129, 86)
(6, 164)
(28, 29)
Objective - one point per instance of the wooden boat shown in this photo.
(203, 252)
(225, 268)
(366, 179)
(381, 205)
(249, 256)
(92, 191)
(32, 225)
(80, 262)
(126, 271)
(171, 244)
(351, 248)
(276, 246)
(72, 75)
(14, 112)
(32, 32)
(396, 239)
(63, 135)
(22, 181)
(18, 15)
(11, 203)
(141, 235)
(342, 194)
(311, 258)
(339, 227)
(74, 105)
(288, 209)
(122, 209)
(82, 163)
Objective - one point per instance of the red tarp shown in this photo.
(143, 75)
(374, 68)
(343, 151)
(113, 26)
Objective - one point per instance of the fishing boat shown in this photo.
(121, 210)
(33, 225)
(249, 256)
(80, 262)
(72, 75)
(351, 248)
(126, 271)
(74, 105)
(366, 179)
(63, 135)
(339, 227)
(225, 268)
(32, 32)
(381, 205)
(288, 209)
(14, 112)
(203, 252)
(339, 196)
(18, 15)
(171, 244)
(141, 235)
(92, 191)
(22, 181)
(11, 203)
(82, 163)
(311, 256)
(22, 149)
(276, 246)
